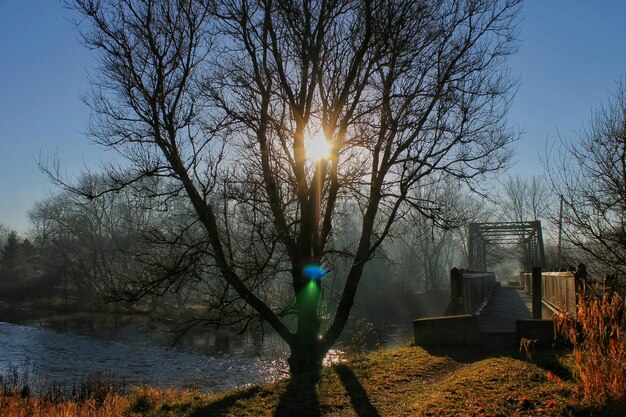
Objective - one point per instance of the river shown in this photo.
(66, 349)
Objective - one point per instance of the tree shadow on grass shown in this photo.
(225, 405)
(358, 396)
(300, 397)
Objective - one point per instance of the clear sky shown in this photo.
(572, 52)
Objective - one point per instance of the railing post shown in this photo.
(536, 291)
(456, 291)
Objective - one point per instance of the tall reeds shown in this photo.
(22, 395)
(598, 334)
(18, 381)
(15, 406)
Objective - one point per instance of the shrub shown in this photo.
(598, 335)
(360, 338)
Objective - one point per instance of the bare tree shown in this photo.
(222, 96)
(83, 242)
(523, 199)
(428, 245)
(590, 174)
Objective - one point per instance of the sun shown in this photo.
(317, 147)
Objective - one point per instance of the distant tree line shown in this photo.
(19, 261)
(125, 248)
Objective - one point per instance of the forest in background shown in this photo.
(118, 252)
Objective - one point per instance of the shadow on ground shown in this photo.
(300, 397)
(225, 405)
(549, 361)
(469, 354)
(545, 358)
(358, 396)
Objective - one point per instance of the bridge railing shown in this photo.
(558, 289)
(468, 290)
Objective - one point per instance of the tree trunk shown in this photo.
(307, 351)
(306, 356)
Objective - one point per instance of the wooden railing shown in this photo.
(468, 290)
(558, 289)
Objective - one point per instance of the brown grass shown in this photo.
(598, 335)
(141, 401)
(408, 381)
(16, 406)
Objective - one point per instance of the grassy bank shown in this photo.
(399, 382)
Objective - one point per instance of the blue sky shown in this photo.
(572, 53)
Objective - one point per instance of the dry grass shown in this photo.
(16, 406)
(141, 401)
(500, 387)
(21, 394)
(598, 334)
(400, 382)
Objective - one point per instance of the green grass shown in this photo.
(408, 381)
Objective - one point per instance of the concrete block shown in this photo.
(452, 330)
(535, 329)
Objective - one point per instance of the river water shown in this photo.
(64, 350)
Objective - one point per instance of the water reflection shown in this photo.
(64, 358)
(67, 349)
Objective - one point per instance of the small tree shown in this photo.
(223, 98)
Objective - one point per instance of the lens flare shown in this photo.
(313, 272)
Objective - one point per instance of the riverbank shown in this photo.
(395, 382)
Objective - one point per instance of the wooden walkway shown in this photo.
(505, 307)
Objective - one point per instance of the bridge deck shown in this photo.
(505, 307)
